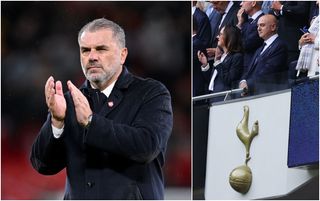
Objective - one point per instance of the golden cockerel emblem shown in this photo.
(240, 178)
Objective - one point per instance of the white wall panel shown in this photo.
(271, 176)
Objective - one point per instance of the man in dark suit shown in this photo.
(111, 134)
(228, 16)
(292, 16)
(204, 29)
(214, 19)
(198, 82)
(267, 70)
(248, 17)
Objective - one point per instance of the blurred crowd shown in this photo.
(39, 39)
(258, 46)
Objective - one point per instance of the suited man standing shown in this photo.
(204, 29)
(198, 80)
(214, 18)
(111, 134)
(248, 17)
(292, 16)
(228, 10)
(226, 14)
(268, 69)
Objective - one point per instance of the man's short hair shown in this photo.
(102, 23)
(259, 3)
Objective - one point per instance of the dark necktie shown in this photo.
(258, 56)
(96, 99)
(262, 47)
(100, 101)
(250, 20)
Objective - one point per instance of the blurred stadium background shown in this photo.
(39, 39)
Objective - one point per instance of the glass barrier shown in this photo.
(261, 85)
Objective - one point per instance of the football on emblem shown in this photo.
(240, 179)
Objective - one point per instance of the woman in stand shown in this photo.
(226, 70)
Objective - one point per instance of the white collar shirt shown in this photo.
(107, 91)
(269, 41)
(256, 15)
(193, 9)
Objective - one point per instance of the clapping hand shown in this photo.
(81, 104)
(202, 58)
(55, 101)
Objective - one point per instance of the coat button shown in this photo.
(90, 184)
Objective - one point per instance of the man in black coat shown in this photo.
(111, 134)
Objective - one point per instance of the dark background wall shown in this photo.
(39, 39)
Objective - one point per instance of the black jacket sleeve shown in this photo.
(48, 153)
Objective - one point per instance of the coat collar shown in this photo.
(116, 96)
(125, 79)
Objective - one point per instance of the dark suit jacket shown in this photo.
(270, 71)
(230, 19)
(250, 40)
(295, 16)
(214, 19)
(229, 73)
(204, 29)
(121, 154)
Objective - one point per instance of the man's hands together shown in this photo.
(81, 104)
(57, 103)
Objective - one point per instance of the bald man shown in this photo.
(267, 70)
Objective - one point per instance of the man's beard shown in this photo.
(103, 77)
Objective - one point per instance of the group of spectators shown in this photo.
(258, 46)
